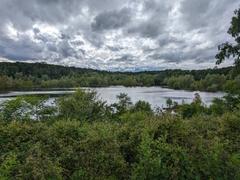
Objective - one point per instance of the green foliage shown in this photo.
(11, 110)
(5, 82)
(38, 165)
(123, 105)
(161, 160)
(89, 140)
(25, 108)
(213, 82)
(197, 99)
(27, 76)
(82, 106)
(169, 102)
(180, 82)
(218, 106)
(142, 106)
(234, 163)
(195, 108)
(8, 166)
(228, 49)
(210, 82)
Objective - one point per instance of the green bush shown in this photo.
(81, 106)
(90, 140)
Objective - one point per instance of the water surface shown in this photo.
(156, 96)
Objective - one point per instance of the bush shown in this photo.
(134, 142)
(82, 105)
(142, 106)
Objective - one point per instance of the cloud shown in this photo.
(148, 29)
(124, 58)
(199, 14)
(111, 20)
(115, 35)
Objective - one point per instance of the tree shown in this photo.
(227, 49)
(26, 108)
(169, 102)
(180, 82)
(82, 105)
(197, 99)
(142, 106)
(5, 83)
(124, 103)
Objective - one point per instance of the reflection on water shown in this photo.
(156, 96)
(22, 93)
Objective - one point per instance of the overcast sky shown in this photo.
(122, 35)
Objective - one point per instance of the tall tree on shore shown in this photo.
(227, 50)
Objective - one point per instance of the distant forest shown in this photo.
(28, 76)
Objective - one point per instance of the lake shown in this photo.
(156, 96)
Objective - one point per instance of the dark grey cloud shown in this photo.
(165, 40)
(111, 20)
(114, 34)
(153, 24)
(199, 14)
(126, 58)
(23, 49)
(179, 56)
(146, 29)
(23, 14)
(114, 48)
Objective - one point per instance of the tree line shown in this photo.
(27, 76)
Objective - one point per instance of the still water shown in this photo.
(156, 96)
